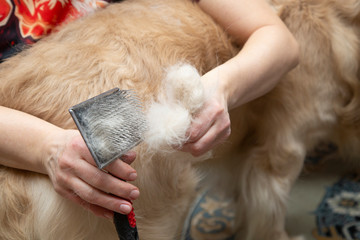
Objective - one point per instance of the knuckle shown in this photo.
(59, 190)
(219, 109)
(227, 122)
(77, 144)
(194, 134)
(61, 180)
(227, 127)
(64, 163)
(196, 150)
(228, 132)
(89, 196)
(192, 138)
(98, 179)
(219, 112)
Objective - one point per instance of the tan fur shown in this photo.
(130, 45)
(317, 101)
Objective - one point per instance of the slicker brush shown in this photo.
(111, 124)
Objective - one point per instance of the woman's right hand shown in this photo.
(32, 144)
(74, 174)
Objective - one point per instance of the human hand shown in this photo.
(211, 125)
(75, 176)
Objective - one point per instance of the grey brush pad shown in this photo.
(111, 124)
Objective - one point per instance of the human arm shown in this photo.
(29, 143)
(269, 51)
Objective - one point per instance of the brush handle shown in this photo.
(126, 226)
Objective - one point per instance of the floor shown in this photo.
(324, 205)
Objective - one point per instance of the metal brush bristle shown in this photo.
(111, 124)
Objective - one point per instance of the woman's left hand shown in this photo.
(211, 125)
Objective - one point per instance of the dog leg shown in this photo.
(35, 211)
(266, 176)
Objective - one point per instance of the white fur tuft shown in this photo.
(183, 85)
(170, 117)
(167, 125)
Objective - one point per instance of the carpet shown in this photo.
(324, 204)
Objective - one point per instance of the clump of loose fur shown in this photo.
(170, 117)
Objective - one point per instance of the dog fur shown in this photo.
(130, 45)
(317, 101)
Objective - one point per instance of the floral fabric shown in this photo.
(26, 21)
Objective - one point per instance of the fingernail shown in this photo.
(134, 194)
(125, 208)
(132, 176)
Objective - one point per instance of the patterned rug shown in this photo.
(212, 218)
(334, 213)
(338, 214)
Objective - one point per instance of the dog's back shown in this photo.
(270, 136)
(128, 45)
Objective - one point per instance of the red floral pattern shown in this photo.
(25, 21)
(40, 17)
(5, 11)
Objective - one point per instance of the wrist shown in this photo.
(215, 83)
(228, 88)
(53, 145)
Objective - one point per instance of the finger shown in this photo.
(122, 170)
(119, 169)
(208, 117)
(93, 196)
(128, 157)
(202, 146)
(97, 210)
(200, 126)
(212, 138)
(106, 182)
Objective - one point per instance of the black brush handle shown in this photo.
(126, 226)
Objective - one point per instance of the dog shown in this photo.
(135, 44)
(317, 101)
(132, 45)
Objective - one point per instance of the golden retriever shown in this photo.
(132, 45)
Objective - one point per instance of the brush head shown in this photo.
(111, 124)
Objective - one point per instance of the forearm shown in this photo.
(25, 140)
(29, 143)
(269, 53)
(269, 50)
